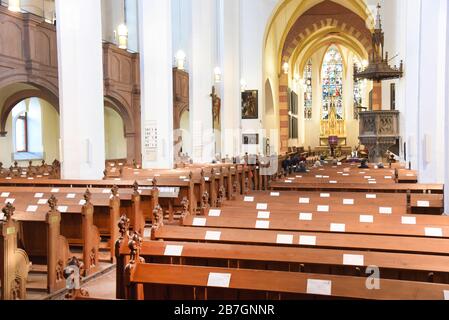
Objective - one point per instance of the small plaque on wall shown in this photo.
(150, 141)
(250, 139)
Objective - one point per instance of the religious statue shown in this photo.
(216, 106)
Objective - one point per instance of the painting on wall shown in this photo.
(250, 104)
(250, 139)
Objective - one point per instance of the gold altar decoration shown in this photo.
(333, 126)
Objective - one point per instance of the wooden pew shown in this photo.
(162, 282)
(427, 204)
(14, 262)
(40, 237)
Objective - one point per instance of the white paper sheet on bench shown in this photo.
(353, 260)
(408, 220)
(288, 181)
(338, 227)
(199, 222)
(263, 215)
(220, 280)
(323, 208)
(262, 224)
(11, 201)
(262, 206)
(42, 201)
(5, 195)
(105, 191)
(55, 190)
(305, 216)
(423, 204)
(304, 200)
(71, 196)
(38, 195)
(319, 287)
(348, 202)
(319, 176)
(214, 213)
(388, 177)
(275, 194)
(434, 232)
(206, 178)
(82, 202)
(173, 251)
(213, 235)
(325, 195)
(284, 239)
(333, 182)
(371, 196)
(249, 199)
(147, 233)
(385, 210)
(446, 295)
(307, 240)
(63, 208)
(366, 219)
(32, 208)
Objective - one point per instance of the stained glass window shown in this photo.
(308, 91)
(332, 77)
(357, 97)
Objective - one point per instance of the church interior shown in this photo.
(152, 150)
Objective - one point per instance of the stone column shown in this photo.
(201, 80)
(80, 61)
(155, 33)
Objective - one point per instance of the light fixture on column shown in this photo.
(180, 59)
(217, 74)
(286, 67)
(122, 34)
(14, 5)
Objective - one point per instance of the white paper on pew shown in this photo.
(408, 220)
(262, 206)
(275, 194)
(385, 210)
(284, 239)
(105, 191)
(82, 202)
(220, 280)
(376, 167)
(367, 177)
(249, 199)
(371, 179)
(304, 200)
(372, 182)
(305, 216)
(38, 195)
(353, 260)
(262, 224)
(349, 202)
(299, 177)
(186, 180)
(323, 208)
(410, 175)
(366, 219)
(206, 179)
(291, 179)
(173, 251)
(8, 178)
(388, 177)
(147, 233)
(32, 208)
(307, 240)
(71, 196)
(5, 195)
(63, 208)
(371, 196)
(263, 215)
(346, 174)
(446, 295)
(319, 287)
(338, 227)
(319, 176)
(214, 213)
(199, 222)
(325, 195)
(213, 235)
(288, 181)
(339, 163)
(11, 201)
(434, 232)
(423, 204)
(55, 190)
(182, 177)
(157, 175)
(42, 201)
(326, 177)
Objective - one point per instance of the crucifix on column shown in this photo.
(216, 106)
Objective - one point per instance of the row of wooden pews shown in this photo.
(298, 243)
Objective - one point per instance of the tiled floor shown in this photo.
(102, 287)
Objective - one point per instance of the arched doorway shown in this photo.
(115, 140)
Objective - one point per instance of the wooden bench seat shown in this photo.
(168, 282)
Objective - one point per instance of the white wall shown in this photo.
(115, 141)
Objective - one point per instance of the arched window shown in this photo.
(332, 77)
(21, 133)
(308, 91)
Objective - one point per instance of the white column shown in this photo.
(231, 102)
(155, 19)
(446, 115)
(81, 88)
(201, 80)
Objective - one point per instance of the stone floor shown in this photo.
(102, 287)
